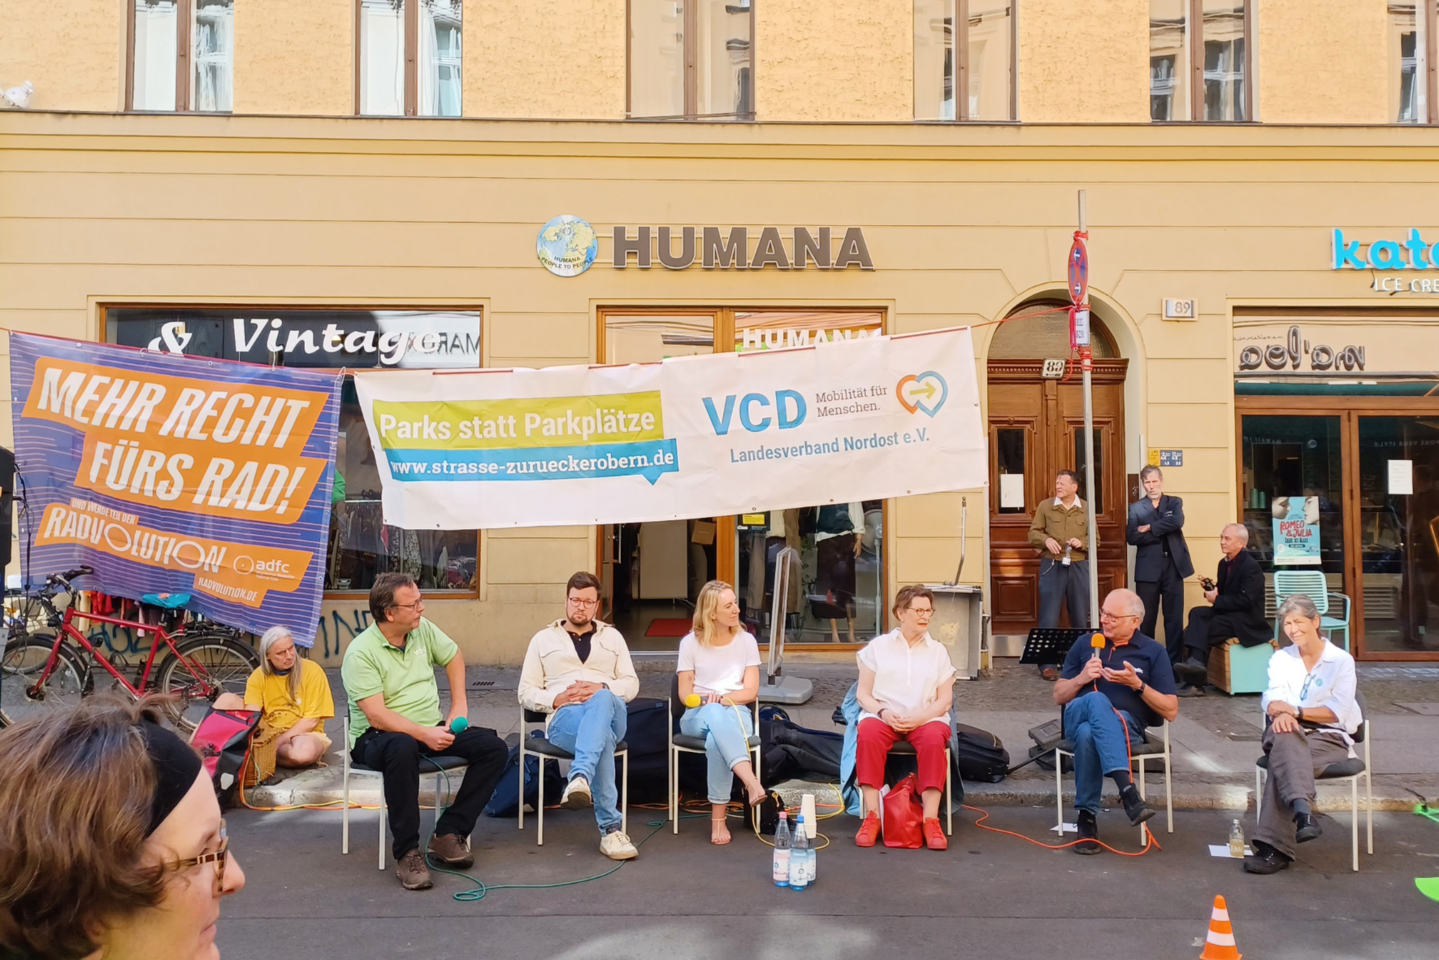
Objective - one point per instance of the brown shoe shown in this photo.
(451, 850)
(413, 873)
(1049, 673)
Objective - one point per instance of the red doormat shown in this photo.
(669, 627)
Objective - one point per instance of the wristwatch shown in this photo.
(1298, 713)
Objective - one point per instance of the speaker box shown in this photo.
(7, 500)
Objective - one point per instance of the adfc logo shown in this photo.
(925, 392)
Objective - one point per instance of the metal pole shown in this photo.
(1087, 364)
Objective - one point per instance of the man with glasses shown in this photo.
(578, 670)
(395, 721)
(1109, 695)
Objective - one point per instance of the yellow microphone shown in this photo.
(693, 700)
(1097, 642)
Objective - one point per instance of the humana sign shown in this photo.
(733, 251)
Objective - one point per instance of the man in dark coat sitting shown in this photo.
(1236, 610)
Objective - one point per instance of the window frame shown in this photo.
(184, 70)
(691, 68)
(961, 66)
(480, 307)
(1429, 10)
(1195, 26)
(412, 64)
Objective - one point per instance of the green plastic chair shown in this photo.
(1311, 583)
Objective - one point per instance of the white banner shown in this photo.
(700, 436)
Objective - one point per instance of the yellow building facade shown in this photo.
(1265, 317)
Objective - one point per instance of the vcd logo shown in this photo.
(924, 392)
(755, 409)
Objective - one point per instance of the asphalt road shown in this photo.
(988, 896)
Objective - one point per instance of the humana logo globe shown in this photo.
(567, 246)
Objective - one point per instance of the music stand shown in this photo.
(1051, 644)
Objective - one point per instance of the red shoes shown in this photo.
(868, 831)
(934, 837)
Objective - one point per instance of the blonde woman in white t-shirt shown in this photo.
(719, 663)
(906, 688)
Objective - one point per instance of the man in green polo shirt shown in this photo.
(395, 720)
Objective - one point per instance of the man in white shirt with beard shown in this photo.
(579, 671)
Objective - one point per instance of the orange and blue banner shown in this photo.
(171, 474)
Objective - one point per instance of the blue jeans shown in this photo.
(726, 731)
(590, 731)
(1090, 721)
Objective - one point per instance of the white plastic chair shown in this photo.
(438, 767)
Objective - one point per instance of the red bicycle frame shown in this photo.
(67, 629)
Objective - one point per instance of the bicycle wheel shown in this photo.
(23, 662)
(206, 668)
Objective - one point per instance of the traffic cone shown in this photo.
(1219, 945)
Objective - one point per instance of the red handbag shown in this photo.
(903, 815)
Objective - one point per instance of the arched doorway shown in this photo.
(1036, 427)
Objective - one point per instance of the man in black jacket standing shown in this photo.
(1237, 610)
(1161, 562)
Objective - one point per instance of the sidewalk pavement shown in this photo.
(1214, 742)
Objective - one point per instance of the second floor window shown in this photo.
(409, 62)
(182, 55)
(691, 59)
(1411, 70)
(964, 59)
(1199, 60)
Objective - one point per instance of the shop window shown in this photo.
(1199, 60)
(361, 544)
(964, 59)
(1411, 61)
(182, 55)
(1009, 444)
(691, 59)
(409, 59)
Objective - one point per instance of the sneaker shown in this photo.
(868, 831)
(1088, 833)
(451, 850)
(1306, 828)
(1266, 860)
(617, 846)
(577, 794)
(1134, 806)
(1192, 670)
(1190, 690)
(413, 873)
(934, 837)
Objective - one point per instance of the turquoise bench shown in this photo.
(1238, 669)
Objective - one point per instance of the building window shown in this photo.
(182, 55)
(409, 58)
(1412, 87)
(964, 59)
(1203, 72)
(691, 59)
(361, 544)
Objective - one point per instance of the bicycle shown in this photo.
(41, 673)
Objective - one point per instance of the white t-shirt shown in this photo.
(907, 677)
(718, 669)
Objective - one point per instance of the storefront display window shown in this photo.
(362, 545)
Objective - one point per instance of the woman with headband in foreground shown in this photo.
(112, 843)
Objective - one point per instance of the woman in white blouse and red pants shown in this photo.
(906, 688)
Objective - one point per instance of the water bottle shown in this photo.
(781, 851)
(799, 857)
(811, 873)
(1236, 841)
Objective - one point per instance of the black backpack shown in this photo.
(980, 755)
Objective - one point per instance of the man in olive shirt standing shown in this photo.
(395, 721)
(1060, 532)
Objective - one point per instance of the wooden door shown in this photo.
(1036, 427)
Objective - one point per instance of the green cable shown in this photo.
(480, 889)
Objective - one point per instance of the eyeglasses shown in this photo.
(418, 604)
(218, 858)
(1106, 615)
(585, 604)
(922, 611)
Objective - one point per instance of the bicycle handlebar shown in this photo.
(68, 575)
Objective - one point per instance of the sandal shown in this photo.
(756, 799)
(713, 839)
